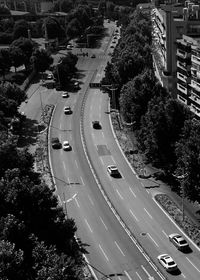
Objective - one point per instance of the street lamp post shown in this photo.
(181, 179)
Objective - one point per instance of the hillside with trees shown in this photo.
(167, 132)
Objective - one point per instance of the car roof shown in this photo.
(167, 258)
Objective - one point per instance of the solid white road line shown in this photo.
(183, 275)
(138, 275)
(119, 248)
(88, 225)
(147, 273)
(64, 166)
(113, 159)
(192, 264)
(148, 213)
(164, 233)
(90, 200)
(82, 181)
(119, 194)
(133, 215)
(101, 160)
(132, 192)
(103, 223)
(77, 202)
(152, 239)
(103, 253)
(76, 163)
(128, 276)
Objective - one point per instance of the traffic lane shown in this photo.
(106, 235)
(147, 200)
(155, 231)
(88, 222)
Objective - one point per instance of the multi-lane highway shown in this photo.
(111, 250)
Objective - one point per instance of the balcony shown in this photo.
(182, 88)
(182, 77)
(195, 86)
(195, 110)
(195, 98)
(181, 53)
(181, 65)
(195, 59)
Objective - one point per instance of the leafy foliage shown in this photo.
(41, 60)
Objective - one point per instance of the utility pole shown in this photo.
(181, 179)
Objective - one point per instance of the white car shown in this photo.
(66, 146)
(167, 262)
(49, 76)
(67, 110)
(113, 171)
(179, 242)
(65, 94)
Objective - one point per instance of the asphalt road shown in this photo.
(110, 249)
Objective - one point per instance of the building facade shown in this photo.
(170, 22)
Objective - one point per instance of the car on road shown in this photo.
(67, 110)
(93, 56)
(66, 146)
(96, 124)
(179, 242)
(115, 37)
(49, 76)
(111, 46)
(76, 85)
(55, 143)
(113, 171)
(167, 262)
(65, 94)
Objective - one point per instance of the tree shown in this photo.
(16, 56)
(66, 68)
(5, 62)
(27, 47)
(54, 28)
(188, 158)
(136, 94)
(4, 11)
(41, 60)
(20, 29)
(10, 261)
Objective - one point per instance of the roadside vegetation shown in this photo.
(167, 132)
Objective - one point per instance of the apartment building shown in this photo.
(35, 6)
(170, 22)
(188, 73)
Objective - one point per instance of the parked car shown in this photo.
(179, 242)
(93, 56)
(96, 124)
(65, 94)
(66, 146)
(67, 110)
(113, 171)
(167, 262)
(55, 143)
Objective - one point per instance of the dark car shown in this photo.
(96, 124)
(55, 143)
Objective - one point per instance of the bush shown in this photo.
(6, 38)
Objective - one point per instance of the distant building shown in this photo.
(36, 6)
(188, 73)
(170, 21)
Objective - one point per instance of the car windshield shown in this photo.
(171, 263)
(182, 242)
